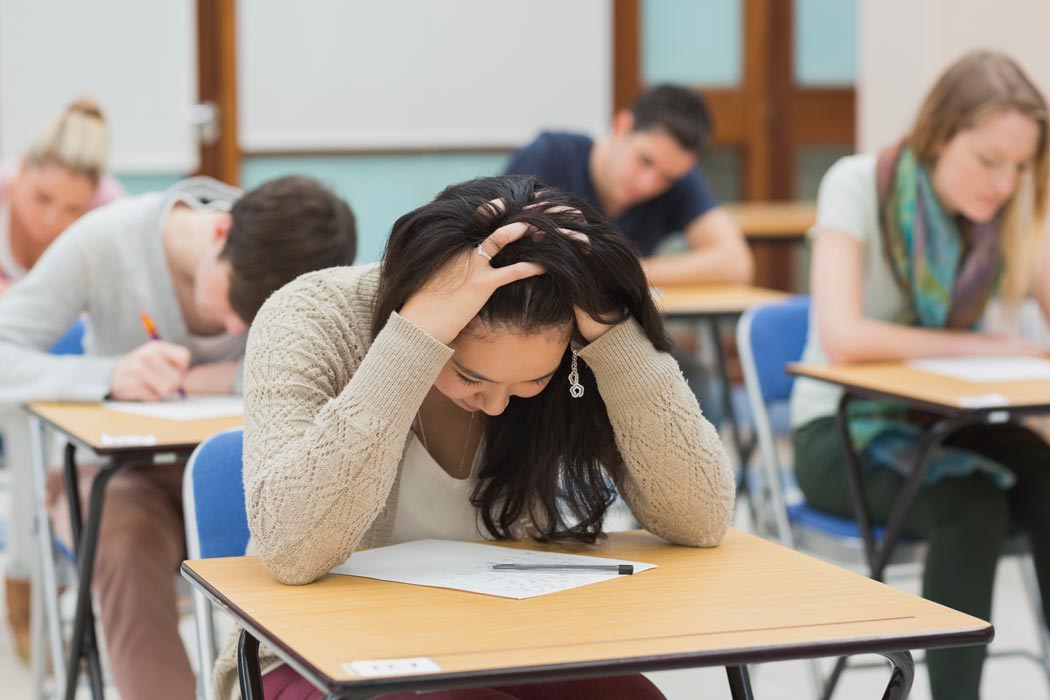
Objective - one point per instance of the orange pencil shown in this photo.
(151, 330)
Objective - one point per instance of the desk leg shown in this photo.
(83, 643)
(248, 670)
(880, 553)
(902, 673)
(739, 683)
(72, 484)
(743, 449)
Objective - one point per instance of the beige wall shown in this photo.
(905, 44)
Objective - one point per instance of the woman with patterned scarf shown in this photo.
(909, 246)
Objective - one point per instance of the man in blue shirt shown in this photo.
(645, 174)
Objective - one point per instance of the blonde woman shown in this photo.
(909, 246)
(61, 177)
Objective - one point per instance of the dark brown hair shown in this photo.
(282, 229)
(550, 460)
(677, 110)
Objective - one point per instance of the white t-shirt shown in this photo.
(431, 503)
(848, 202)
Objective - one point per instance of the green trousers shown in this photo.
(964, 520)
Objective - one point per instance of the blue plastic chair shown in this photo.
(72, 343)
(768, 338)
(216, 525)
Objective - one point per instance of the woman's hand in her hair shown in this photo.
(588, 327)
(451, 299)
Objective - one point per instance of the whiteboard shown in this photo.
(137, 59)
(409, 74)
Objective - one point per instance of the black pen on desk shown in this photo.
(620, 569)
(147, 323)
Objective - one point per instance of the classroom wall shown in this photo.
(696, 43)
(138, 59)
(379, 188)
(904, 45)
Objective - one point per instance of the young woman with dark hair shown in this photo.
(503, 374)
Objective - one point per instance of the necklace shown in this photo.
(466, 442)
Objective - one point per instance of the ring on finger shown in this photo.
(484, 253)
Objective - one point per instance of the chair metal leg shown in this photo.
(739, 683)
(743, 449)
(902, 674)
(47, 580)
(202, 616)
(84, 644)
(37, 638)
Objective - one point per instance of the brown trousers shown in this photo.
(141, 544)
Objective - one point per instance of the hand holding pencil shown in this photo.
(151, 371)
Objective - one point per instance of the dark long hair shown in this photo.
(551, 459)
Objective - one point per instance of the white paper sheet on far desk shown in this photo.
(986, 369)
(467, 566)
(192, 408)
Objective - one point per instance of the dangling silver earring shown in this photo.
(575, 388)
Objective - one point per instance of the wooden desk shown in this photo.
(84, 424)
(944, 396)
(712, 300)
(775, 231)
(747, 601)
(925, 390)
(786, 222)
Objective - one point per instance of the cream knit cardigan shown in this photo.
(328, 413)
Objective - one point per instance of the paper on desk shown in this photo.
(986, 369)
(466, 566)
(192, 408)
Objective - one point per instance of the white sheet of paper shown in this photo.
(467, 566)
(986, 369)
(192, 408)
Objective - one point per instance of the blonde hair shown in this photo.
(77, 139)
(978, 85)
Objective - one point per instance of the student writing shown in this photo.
(203, 259)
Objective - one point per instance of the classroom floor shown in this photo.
(1013, 679)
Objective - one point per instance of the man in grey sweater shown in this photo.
(200, 260)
